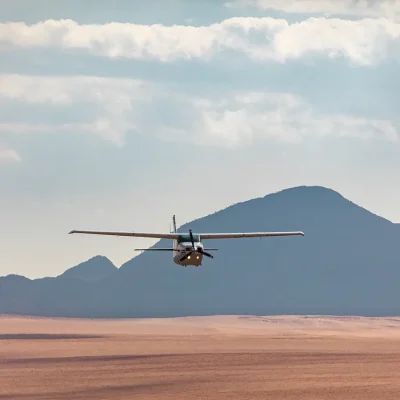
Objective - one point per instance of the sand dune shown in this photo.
(219, 357)
(228, 325)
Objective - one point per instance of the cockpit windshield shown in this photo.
(186, 238)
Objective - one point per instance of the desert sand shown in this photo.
(221, 357)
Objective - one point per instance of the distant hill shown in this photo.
(347, 263)
(96, 268)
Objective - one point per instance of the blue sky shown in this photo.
(117, 114)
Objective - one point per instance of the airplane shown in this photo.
(188, 249)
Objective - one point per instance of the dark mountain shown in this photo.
(54, 296)
(347, 263)
(96, 268)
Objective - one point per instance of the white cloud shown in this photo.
(114, 99)
(364, 42)
(361, 8)
(280, 117)
(8, 156)
(64, 90)
(123, 106)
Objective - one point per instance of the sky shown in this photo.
(115, 115)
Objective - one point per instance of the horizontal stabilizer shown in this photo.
(169, 249)
(154, 249)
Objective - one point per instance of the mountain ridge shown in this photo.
(346, 264)
(88, 272)
(181, 227)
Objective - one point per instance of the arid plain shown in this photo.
(221, 357)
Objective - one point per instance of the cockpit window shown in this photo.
(186, 238)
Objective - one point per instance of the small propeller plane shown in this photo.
(188, 248)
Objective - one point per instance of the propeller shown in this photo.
(191, 238)
(198, 249)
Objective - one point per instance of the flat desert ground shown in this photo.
(219, 357)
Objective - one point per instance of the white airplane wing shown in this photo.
(247, 235)
(202, 235)
(135, 234)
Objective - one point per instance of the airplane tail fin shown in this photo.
(174, 224)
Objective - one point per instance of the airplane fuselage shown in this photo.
(183, 248)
